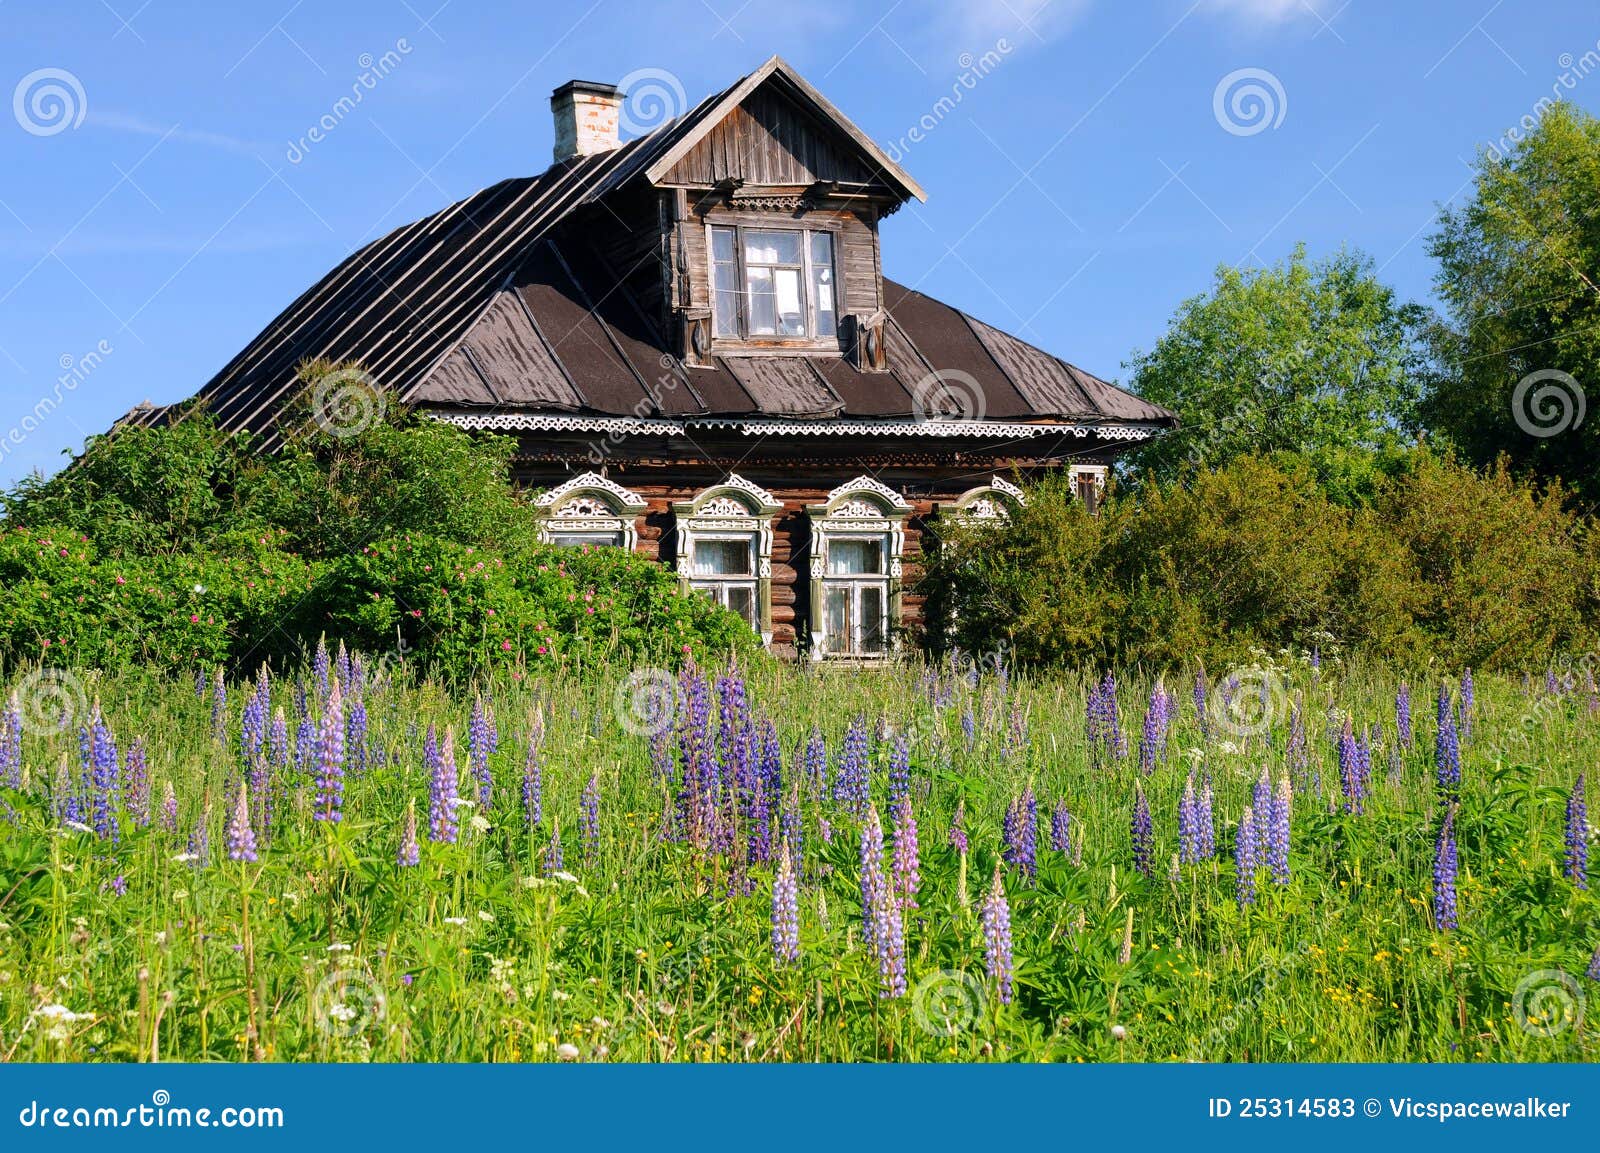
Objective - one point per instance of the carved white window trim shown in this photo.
(590, 503)
(860, 507)
(733, 507)
(994, 501)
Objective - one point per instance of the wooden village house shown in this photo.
(691, 338)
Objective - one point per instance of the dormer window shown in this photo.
(773, 283)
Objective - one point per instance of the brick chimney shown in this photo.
(586, 118)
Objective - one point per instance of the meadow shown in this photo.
(1294, 861)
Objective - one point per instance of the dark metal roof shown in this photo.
(487, 304)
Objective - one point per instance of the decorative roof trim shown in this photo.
(757, 426)
(758, 501)
(625, 500)
(1001, 484)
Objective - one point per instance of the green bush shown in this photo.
(1446, 564)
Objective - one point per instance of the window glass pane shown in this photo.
(722, 247)
(763, 303)
(824, 320)
(786, 285)
(872, 619)
(836, 619)
(742, 600)
(771, 247)
(722, 558)
(577, 539)
(855, 557)
(724, 283)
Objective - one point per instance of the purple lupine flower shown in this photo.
(319, 667)
(305, 733)
(105, 779)
(341, 668)
(11, 743)
(907, 866)
(997, 938)
(589, 814)
(1592, 691)
(758, 817)
(1577, 856)
(1445, 866)
(785, 912)
(1061, 828)
(969, 727)
(1143, 834)
(478, 753)
(260, 778)
(355, 729)
(1016, 741)
(872, 879)
(1021, 835)
(533, 774)
(1402, 715)
(253, 722)
(241, 837)
(1261, 806)
(278, 740)
(695, 818)
(1552, 683)
(1203, 817)
(1278, 831)
(899, 778)
(136, 783)
(1349, 769)
(815, 760)
(442, 785)
(733, 731)
(330, 760)
(169, 809)
(1153, 741)
(850, 775)
(957, 836)
(199, 848)
(1189, 836)
(1244, 859)
(1593, 972)
(64, 798)
(1447, 745)
(1316, 658)
(883, 930)
(219, 708)
(825, 830)
(552, 851)
(410, 853)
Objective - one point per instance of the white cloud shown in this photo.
(139, 126)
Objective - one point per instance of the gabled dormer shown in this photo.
(765, 210)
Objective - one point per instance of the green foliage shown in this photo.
(1448, 564)
(1517, 269)
(1313, 358)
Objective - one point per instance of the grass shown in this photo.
(326, 949)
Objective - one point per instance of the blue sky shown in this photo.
(160, 200)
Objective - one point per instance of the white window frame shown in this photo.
(732, 509)
(742, 331)
(590, 505)
(863, 508)
(995, 501)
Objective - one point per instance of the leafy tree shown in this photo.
(1519, 274)
(1309, 357)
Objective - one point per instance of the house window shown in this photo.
(724, 548)
(773, 283)
(857, 538)
(723, 570)
(1090, 483)
(855, 596)
(589, 510)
